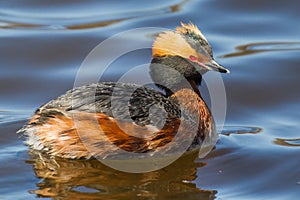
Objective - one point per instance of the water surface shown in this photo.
(43, 44)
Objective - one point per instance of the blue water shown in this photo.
(43, 43)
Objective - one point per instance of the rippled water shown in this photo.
(43, 44)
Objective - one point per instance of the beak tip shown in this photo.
(217, 67)
(224, 70)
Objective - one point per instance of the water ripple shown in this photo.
(259, 47)
(228, 130)
(53, 21)
(292, 142)
(12, 116)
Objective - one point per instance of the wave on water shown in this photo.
(52, 21)
(259, 47)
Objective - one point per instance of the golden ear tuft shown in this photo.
(171, 43)
(189, 28)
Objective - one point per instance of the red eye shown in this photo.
(193, 58)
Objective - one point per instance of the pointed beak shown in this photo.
(213, 65)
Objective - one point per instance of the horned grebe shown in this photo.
(54, 126)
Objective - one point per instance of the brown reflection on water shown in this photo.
(73, 25)
(294, 142)
(228, 130)
(96, 24)
(81, 179)
(177, 7)
(258, 47)
(7, 24)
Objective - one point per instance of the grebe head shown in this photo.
(188, 43)
(185, 50)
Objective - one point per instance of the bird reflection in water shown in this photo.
(90, 179)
